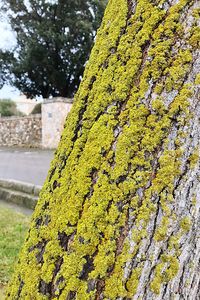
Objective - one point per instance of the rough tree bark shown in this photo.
(118, 216)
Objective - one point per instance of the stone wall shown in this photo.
(54, 113)
(36, 130)
(21, 131)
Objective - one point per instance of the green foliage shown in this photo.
(37, 109)
(54, 39)
(8, 108)
(6, 60)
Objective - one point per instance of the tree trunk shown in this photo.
(118, 216)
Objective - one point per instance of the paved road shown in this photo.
(28, 165)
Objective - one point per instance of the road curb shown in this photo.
(18, 192)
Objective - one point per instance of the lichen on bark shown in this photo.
(116, 218)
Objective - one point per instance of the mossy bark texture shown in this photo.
(118, 216)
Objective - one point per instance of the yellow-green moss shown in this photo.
(185, 224)
(158, 106)
(161, 232)
(175, 72)
(156, 283)
(194, 158)
(174, 242)
(195, 37)
(197, 79)
(165, 271)
(194, 201)
(172, 268)
(132, 283)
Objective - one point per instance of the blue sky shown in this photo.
(7, 41)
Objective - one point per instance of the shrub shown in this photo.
(37, 109)
(8, 108)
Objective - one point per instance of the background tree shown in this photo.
(6, 60)
(54, 39)
(118, 216)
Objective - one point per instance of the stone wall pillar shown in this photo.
(54, 113)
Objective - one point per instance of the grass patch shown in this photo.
(13, 228)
